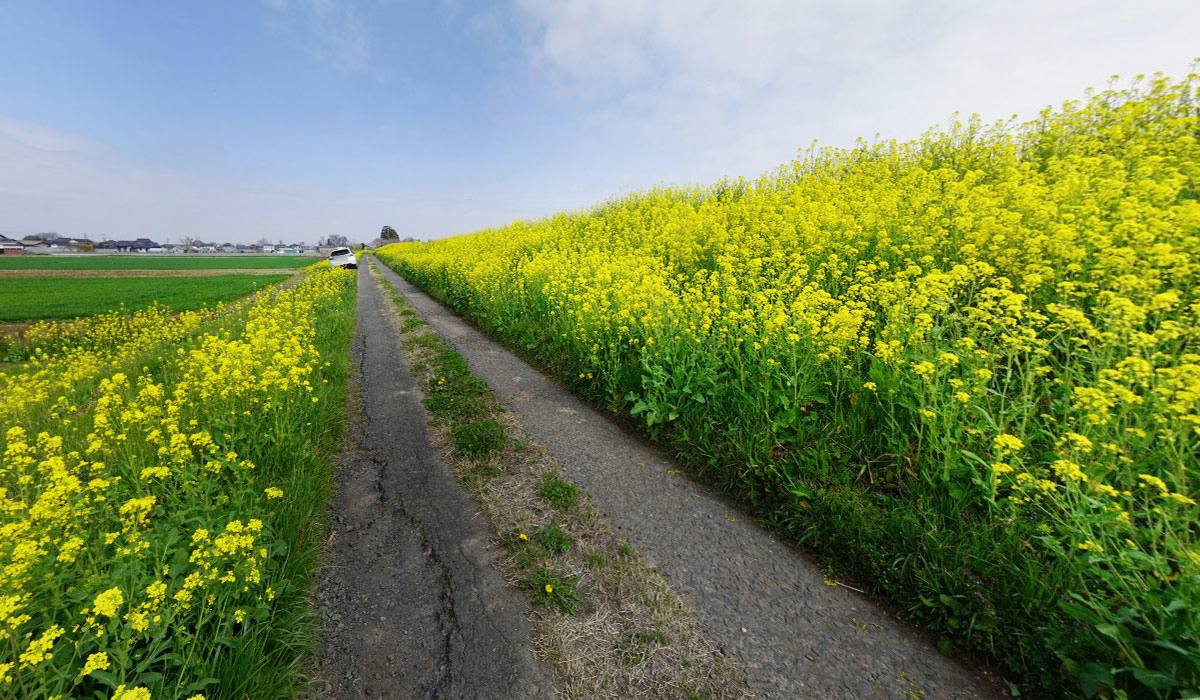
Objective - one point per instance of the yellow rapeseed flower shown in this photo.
(108, 602)
(95, 662)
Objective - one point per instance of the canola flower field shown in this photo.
(965, 368)
(162, 482)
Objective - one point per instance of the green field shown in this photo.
(33, 299)
(153, 262)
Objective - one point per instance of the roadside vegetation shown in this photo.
(31, 299)
(965, 367)
(605, 621)
(153, 262)
(160, 506)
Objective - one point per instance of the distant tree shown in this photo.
(31, 237)
(334, 240)
(389, 234)
(189, 243)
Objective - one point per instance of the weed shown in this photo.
(429, 341)
(478, 439)
(547, 587)
(554, 538)
(636, 648)
(562, 495)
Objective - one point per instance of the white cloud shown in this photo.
(738, 87)
(331, 31)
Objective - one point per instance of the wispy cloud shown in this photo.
(331, 31)
(739, 86)
(42, 138)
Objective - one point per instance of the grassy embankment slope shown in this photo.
(965, 368)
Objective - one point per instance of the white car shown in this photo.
(343, 257)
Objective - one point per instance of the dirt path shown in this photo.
(793, 635)
(71, 274)
(413, 605)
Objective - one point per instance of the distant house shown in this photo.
(141, 245)
(9, 246)
(69, 242)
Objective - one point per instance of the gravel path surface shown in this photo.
(411, 601)
(793, 635)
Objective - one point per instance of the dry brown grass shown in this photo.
(633, 637)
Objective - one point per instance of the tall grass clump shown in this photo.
(160, 520)
(965, 367)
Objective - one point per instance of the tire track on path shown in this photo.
(413, 607)
(792, 635)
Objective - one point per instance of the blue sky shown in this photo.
(295, 119)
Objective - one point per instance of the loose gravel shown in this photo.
(792, 634)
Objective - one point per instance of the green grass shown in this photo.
(554, 538)
(153, 262)
(552, 587)
(32, 299)
(562, 495)
(478, 439)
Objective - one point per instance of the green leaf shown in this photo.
(199, 685)
(1092, 677)
(1084, 614)
(950, 602)
(1116, 632)
(1154, 679)
(801, 491)
(105, 677)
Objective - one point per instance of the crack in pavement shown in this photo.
(413, 607)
